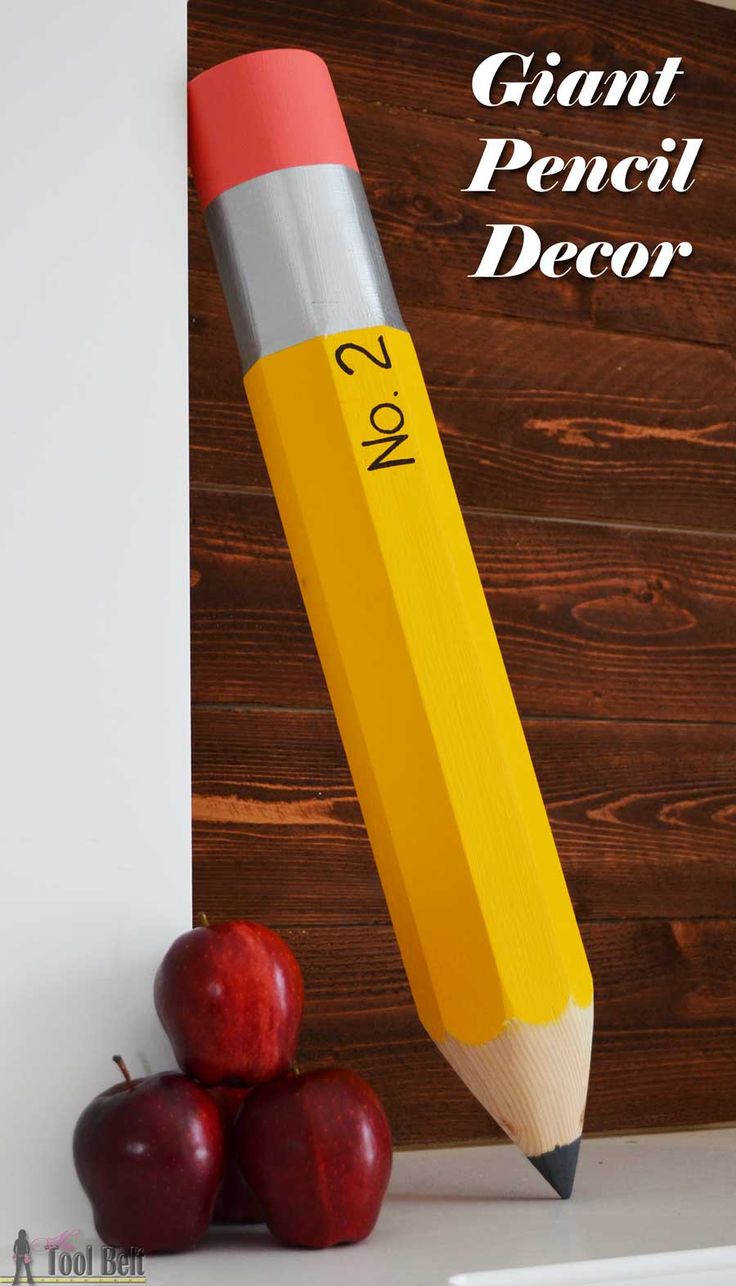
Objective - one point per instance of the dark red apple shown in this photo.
(316, 1150)
(150, 1156)
(230, 997)
(236, 1201)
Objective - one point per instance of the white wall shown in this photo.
(94, 667)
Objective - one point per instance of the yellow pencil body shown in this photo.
(435, 744)
(455, 817)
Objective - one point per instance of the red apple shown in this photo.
(150, 1156)
(236, 1201)
(230, 997)
(316, 1150)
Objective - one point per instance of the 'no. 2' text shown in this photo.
(386, 419)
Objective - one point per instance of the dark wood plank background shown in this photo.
(590, 430)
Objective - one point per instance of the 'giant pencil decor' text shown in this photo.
(513, 249)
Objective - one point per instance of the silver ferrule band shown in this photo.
(299, 256)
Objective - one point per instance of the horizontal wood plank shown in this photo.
(422, 60)
(593, 620)
(649, 975)
(644, 816)
(639, 1080)
(535, 419)
(434, 234)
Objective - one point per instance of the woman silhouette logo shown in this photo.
(22, 1256)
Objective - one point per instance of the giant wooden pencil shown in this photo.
(436, 748)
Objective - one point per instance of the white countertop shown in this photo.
(462, 1210)
(456, 1211)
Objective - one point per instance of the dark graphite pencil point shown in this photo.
(558, 1167)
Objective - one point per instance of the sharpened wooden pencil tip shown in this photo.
(558, 1167)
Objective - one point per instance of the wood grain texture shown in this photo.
(590, 430)
(421, 204)
(535, 419)
(421, 58)
(644, 816)
(639, 1080)
(616, 622)
(654, 974)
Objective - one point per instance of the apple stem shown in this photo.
(203, 921)
(120, 1062)
(294, 1068)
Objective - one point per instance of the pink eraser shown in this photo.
(262, 112)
